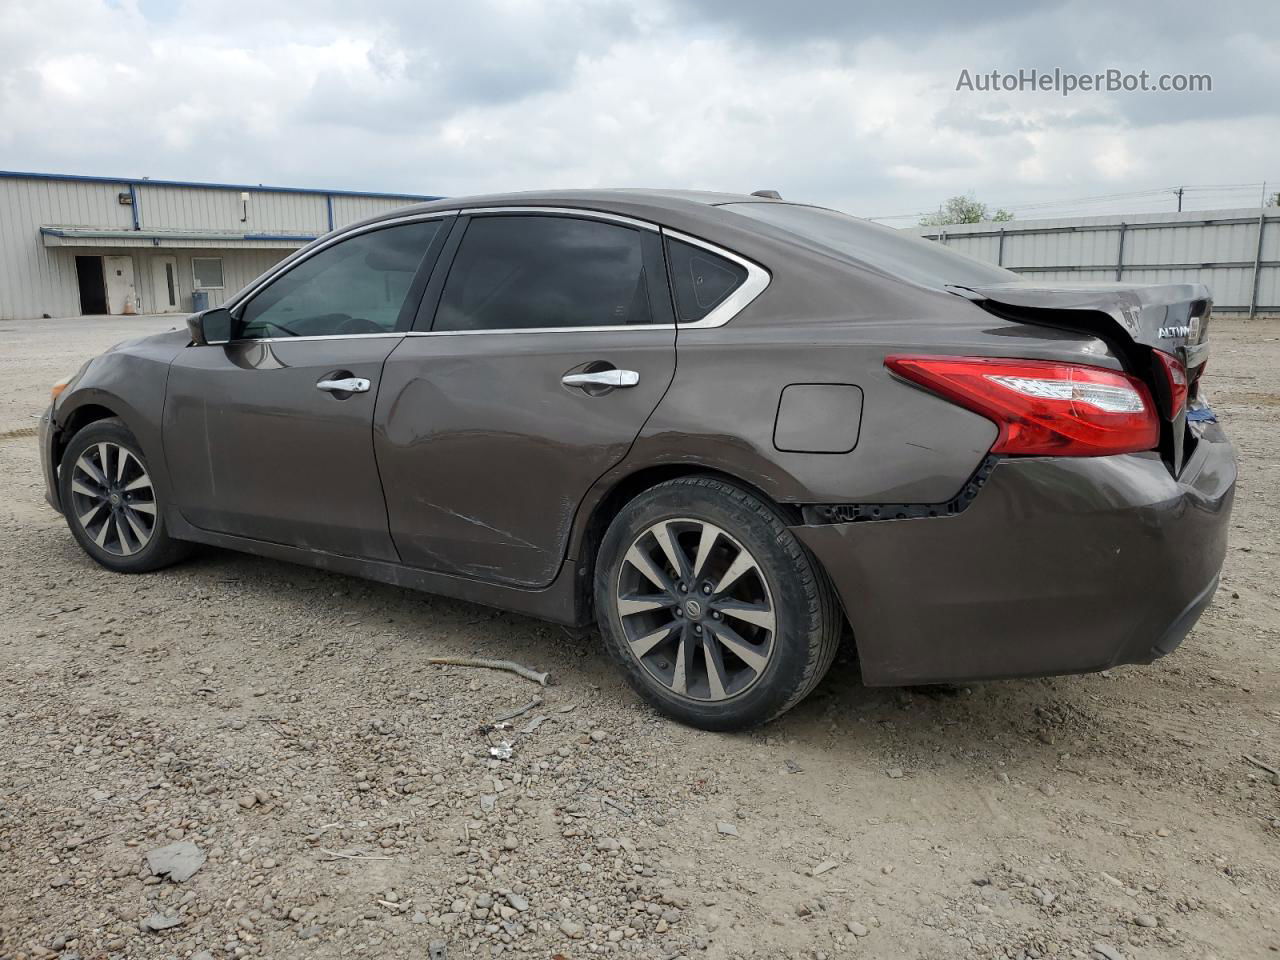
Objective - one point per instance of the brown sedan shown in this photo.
(727, 429)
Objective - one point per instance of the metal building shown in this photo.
(94, 245)
(1235, 253)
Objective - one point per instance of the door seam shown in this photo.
(571, 550)
(373, 447)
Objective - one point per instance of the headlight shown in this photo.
(61, 387)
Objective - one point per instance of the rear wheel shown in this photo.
(110, 501)
(714, 610)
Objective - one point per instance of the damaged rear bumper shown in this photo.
(1060, 565)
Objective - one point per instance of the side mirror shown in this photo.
(210, 326)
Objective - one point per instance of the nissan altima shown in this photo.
(729, 430)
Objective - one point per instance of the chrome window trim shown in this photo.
(758, 278)
(580, 212)
(281, 269)
(609, 328)
(327, 336)
(453, 333)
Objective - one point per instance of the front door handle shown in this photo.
(602, 378)
(346, 385)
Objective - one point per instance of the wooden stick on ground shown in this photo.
(508, 665)
(518, 712)
(1262, 766)
(335, 855)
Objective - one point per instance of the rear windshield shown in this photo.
(925, 262)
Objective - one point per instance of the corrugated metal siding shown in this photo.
(1216, 248)
(29, 284)
(350, 209)
(185, 208)
(36, 280)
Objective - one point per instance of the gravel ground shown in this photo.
(345, 801)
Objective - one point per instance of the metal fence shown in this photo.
(1236, 253)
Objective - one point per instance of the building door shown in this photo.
(93, 290)
(165, 297)
(121, 295)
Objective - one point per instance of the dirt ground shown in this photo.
(287, 723)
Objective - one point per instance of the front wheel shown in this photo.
(110, 501)
(716, 613)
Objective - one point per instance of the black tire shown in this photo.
(124, 551)
(806, 616)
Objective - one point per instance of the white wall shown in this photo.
(29, 283)
(36, 279)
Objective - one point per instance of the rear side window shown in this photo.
(355, 286)
(525, 272)
(700, 279)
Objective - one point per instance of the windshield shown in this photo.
(925, 262)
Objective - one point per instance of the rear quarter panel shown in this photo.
(821, 321)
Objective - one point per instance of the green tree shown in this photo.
(964, 209)
(1274, 200)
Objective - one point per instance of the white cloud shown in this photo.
(834, 105)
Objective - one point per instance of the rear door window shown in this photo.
(700, 279)
(524, 272)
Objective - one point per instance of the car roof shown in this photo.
(620, 199)
(723, 219)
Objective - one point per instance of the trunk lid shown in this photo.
(1134, 319)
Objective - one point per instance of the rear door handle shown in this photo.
(346, 385)
(602, 378)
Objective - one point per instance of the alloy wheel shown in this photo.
(696, 609)
(113, 499)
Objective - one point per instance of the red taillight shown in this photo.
(1041, 406)
(1175, 375)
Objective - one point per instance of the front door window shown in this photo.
(357, 286)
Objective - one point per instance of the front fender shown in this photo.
(128, 382)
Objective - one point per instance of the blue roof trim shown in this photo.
(94, 233)
(142, 182)
(276, 236)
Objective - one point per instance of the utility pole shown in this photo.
(1257, 257)
(1179, 194)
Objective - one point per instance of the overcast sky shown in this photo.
(826, 102)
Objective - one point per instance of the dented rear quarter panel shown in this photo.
(822, 320)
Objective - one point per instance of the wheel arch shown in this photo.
(612, 496)
(91, 403)
(80, 417)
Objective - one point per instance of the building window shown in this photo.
(207, 272)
